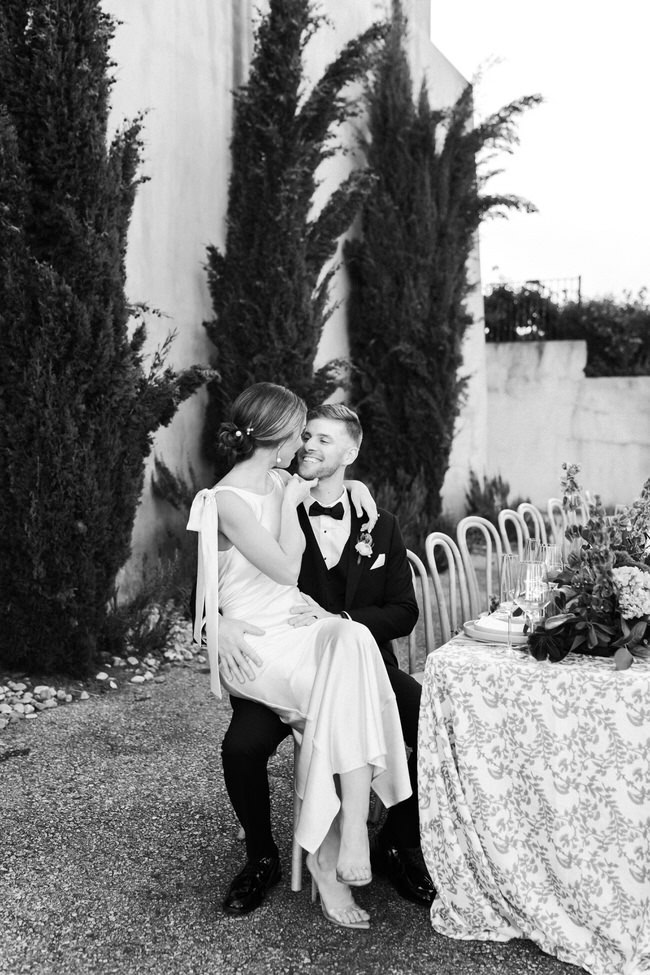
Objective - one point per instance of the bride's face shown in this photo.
(289, 446)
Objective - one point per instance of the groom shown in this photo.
(345, 572)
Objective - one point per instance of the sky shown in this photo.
(584, 155)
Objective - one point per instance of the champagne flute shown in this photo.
(532, 591)
(508, 582)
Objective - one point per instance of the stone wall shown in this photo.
(542, 411)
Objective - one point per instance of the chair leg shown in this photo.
(296, 850)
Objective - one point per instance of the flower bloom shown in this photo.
(633, 591)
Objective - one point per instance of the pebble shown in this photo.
(20, 701)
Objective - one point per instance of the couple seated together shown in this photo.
(299, 598)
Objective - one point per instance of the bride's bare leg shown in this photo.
(336, 897)
(353, 866)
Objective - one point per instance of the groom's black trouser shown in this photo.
(254, 734)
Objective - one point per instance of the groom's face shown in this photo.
(326, 448)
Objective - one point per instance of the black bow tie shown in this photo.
(336, 511)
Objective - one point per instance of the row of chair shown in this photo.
(460, 593)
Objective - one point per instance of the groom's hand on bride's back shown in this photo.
(236, 656)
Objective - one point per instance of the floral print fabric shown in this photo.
(534, 785)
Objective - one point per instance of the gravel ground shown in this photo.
(117, 843)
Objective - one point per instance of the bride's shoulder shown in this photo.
(280, 476)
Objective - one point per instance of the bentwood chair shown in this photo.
(534, 521)
(423, 595)
(481, 593)
(508, 518)
(450, 586)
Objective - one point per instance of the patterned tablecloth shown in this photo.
(534, 782)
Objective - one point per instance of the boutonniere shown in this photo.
(364, 546)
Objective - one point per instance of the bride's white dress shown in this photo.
(327, 680)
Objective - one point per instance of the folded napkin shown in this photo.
(497, 623)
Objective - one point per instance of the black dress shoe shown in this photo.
(251, 885)
(405, 868)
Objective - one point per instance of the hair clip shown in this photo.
(238, 433)
(249, 430)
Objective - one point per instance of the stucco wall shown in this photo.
(181, 70)
(543, 411)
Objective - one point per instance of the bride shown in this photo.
(328, 680)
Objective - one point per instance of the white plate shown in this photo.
(493, 636)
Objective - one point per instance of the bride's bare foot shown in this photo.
(337, 902)
(353, 865)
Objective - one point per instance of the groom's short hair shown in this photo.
(342, 413)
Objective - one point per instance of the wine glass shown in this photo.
(551, 556)
(507, 586)
(532, 591)
(531, 551)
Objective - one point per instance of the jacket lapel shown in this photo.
(355, 564)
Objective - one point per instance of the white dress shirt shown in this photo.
(331, 533)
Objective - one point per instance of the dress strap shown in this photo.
(204, 519)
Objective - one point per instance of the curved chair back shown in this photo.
(423, 595)
(451, 592)
(480, 592)
(534, 520)
(557, 519)
(506, 517)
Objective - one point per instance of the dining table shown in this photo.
(534, 795)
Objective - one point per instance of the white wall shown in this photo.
(543, 411)
(182, 70)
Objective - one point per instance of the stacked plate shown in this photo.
(494, 629)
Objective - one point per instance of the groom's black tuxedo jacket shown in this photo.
(372, 590)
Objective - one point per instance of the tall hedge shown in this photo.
(77, 406)
(409, 280)
(269, 289)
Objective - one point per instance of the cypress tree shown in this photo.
(77, 408)
(268, 289)
(409, 281)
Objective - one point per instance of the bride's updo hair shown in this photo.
(262, 416)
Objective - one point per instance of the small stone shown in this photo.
(5, 709)
(101, 676)
(112, 685)
(133, 661)
(200, 659)
(147, 675)
(68, 698)
(42, 691)
(61, 695)
(84, 696)
(50, 703)
(3, 723)
(160, 679)
(18, 708)
(34, 714)
(138, 679)
(28, 709)
(17, 686)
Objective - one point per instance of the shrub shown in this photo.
(409, 279)
(270, 288)
(77, 407)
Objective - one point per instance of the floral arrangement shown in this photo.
(602, 603)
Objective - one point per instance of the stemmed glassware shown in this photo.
(551, 556)
(532, 592)
(532, 550)
(508, 582)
